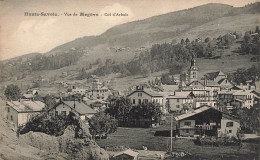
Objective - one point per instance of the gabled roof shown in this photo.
(80, 107)
(198, 82)
(202, 109)
(213, 75)
(26, 106)
(182, 94)
(147, 91)
(189, 114)
(128, 152)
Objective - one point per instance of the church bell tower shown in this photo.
(193, 71)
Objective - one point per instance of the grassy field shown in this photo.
(135, 138)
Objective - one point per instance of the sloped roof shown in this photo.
(26, 106)
(80, 107)
(128, 152)
(227, 92)
(202, 109)
(150, 92)
(242, 92)
(189, 114)
(212, 83)
(199, 82)
(213, 75)
(182, 94)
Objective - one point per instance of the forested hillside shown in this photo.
(176, 57)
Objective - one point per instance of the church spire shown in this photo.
(193, 71)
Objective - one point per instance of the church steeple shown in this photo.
(193, 71)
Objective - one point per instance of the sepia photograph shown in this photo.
(129, 79)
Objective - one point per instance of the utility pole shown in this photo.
(171, 130)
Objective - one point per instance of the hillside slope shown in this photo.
(36, 145)
(171, 25)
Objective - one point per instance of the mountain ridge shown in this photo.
(159, 27)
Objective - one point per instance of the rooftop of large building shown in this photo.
(26, 106)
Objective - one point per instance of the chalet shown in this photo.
(207, 120)
(126, 155)
(179, 100)
(20, 112)
(141, 95)
(65, 107)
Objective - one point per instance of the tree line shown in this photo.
(21, 68)
(171, 56)
(131, 115)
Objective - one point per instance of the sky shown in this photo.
(20, 34)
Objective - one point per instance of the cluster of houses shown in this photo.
(196, 102)
(193, 101)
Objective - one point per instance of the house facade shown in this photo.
(207, 120)
(79, 108)
(20, 112)
(199, 90)
(141, 95)
(179, 100)
(238, 98)
(98, 91)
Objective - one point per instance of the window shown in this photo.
(8, 109)
(139, 94)
(178, 100)
(187, 131)
(11, 117)
(133, 101)
(145, 100)
(187, 123)
(177, 106)
(230, 131)
(139, 101)
(229, 124)
(56, 113)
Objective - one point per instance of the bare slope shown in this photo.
(170, 25)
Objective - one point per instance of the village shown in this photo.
(191, 107)
(139, 80)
